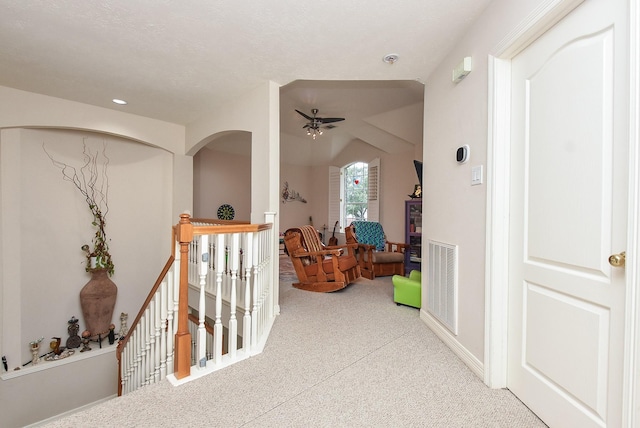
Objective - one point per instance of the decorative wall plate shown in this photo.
(226, 212)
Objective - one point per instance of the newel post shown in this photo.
(182, 367)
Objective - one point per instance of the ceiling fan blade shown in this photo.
(304, 115)
(330, 119)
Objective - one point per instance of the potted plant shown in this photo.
(98, 296)
(99, 257)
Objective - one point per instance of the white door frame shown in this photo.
(545, 16)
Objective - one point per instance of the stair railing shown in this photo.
(228, 264)
(145, 354)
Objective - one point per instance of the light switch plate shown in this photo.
(476, 175)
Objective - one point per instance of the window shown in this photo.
(355, 184)
(353, 192)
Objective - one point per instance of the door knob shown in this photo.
(617, 260)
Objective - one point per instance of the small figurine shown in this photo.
(112, 334)
(55, 345)
(35, 349)
(417, 192)
(123, 325)
(74, 340)
(86, 337)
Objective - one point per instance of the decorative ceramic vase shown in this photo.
(98, 299)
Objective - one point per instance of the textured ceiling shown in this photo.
(175, 60)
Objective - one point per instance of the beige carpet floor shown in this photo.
(347, 359)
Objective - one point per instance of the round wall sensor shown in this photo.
(462, 154)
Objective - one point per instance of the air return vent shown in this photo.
(442, 285)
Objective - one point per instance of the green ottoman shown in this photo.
(408, 291)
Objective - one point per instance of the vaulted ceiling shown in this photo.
(173, 60)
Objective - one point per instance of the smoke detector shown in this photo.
(390, 58)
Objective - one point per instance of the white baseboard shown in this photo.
(450, 340)
(71, 412)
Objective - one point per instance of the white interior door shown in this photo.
(568, 215)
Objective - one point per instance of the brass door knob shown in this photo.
(618, 260)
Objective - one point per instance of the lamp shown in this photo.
(314, 130)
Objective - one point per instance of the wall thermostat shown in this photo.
(462, 154)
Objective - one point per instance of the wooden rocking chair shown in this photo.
(320, 268)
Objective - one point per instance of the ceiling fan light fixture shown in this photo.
(390, 58)
(119, 101)
(314, 131)
(315, 122)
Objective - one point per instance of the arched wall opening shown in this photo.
(222, 175)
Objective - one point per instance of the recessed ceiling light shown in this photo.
(390, 58)
(120, 102)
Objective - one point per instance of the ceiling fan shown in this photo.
(315, 122)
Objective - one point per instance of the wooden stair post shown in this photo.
(183, 337)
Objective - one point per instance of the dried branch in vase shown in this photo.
(92, 181)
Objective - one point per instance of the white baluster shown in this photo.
(217, 327)
(124, 368)
(203, 268)
(246, 321)
(212, 252)
(234, 263)
(209, 346)
(172, 323)
(136, 365)
(265, 281)
(132, 361)
(163, 325)
(151, 354)
(254, 292)
(156, 334)
(193, 331)
(145, 348)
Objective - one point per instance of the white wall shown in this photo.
(456, 114)
(44, 221)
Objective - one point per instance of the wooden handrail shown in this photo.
(218, 221)
(124, 341)
(220, 227)
(230, 228)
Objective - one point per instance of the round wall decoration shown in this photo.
(226, 212)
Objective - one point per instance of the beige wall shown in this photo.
(397, 179)
(44, 221)
(454, 211)
(42, 395)
(297, 213)
(26, 109)
(257, 112)
(210, 166)
(456, 114)
(221, 178)
(54, 222)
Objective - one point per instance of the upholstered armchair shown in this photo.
(408, 291)
(376, 256)
(318, 267)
